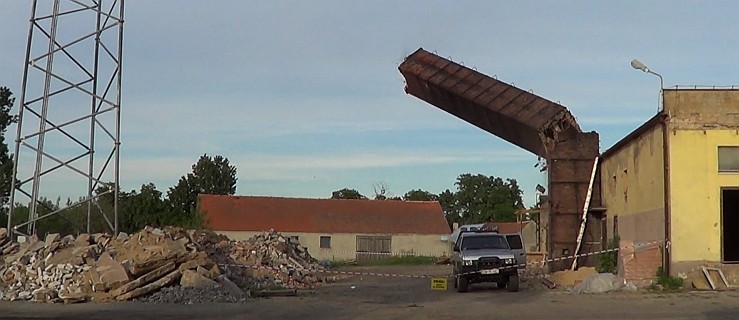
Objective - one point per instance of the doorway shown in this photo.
(730, 224)
(373, 247)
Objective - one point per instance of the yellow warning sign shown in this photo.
(439, 283)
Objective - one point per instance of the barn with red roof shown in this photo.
(334, 229)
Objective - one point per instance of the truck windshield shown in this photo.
(484, 242)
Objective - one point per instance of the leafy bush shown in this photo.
(667, 282)
(608, 261)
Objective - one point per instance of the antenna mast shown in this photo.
(68, 130)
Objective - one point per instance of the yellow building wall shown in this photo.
(632, 188)
(696, 192)
(700, 120)
(344, 245)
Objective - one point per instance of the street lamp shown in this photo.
(636, 64)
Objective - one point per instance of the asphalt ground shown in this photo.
(374, 297)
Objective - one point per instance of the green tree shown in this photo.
(347, 193)
(103, 205)
(6, 162)
(135, 209)
(147, 207)
(480, 198)
(74, 216)
(58, 223)
(420, 195)
(209, 176)
(448, 203)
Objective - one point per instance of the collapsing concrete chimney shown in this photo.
(517, 116)
(524, 119)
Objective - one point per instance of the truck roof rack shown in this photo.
(483, 229)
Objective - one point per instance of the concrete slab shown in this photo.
(193, 279)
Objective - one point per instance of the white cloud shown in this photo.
(239, 116)
(165, 171)
(332, 69)
(375, 160)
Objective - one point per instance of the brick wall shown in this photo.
(639, 265)
(570, 165)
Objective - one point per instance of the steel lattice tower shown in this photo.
(69, 111)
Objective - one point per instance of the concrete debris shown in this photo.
(192, 295)
(231, 287)
(194, 279)
(108, 273)
(282, 261)
(157, 265)
(83, 240)
(156, 285)
(145, 279)
(549, 284)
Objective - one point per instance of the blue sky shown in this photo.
(305, 98)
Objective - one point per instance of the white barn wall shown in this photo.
(344, 245)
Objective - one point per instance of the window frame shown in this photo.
(320, 242)
(718, 158)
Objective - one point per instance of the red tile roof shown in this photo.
(251, 213)
(508, 227)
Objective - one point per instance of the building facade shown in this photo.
(676, 178)
(334, 229)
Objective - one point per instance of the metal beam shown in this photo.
(55, 143)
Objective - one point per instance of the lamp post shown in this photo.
(666, 257)
(636, 64)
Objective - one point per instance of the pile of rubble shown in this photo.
(283, 262)
(100, 267)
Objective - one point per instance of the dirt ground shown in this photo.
(372, 297)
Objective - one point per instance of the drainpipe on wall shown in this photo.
(666, 158)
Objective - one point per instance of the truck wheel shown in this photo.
(513, 283)
(454, 282)
(462, 284)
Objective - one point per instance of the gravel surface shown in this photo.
(191, 295)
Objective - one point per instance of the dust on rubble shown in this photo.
(568, 278)
(157, 265)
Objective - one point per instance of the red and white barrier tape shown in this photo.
(389, 254)
(357, 273)
(352, 273)
(635, 247)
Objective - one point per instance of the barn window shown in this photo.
(325, 242)
(728, 159)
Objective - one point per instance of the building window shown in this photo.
(325, 242)
(728, 159)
